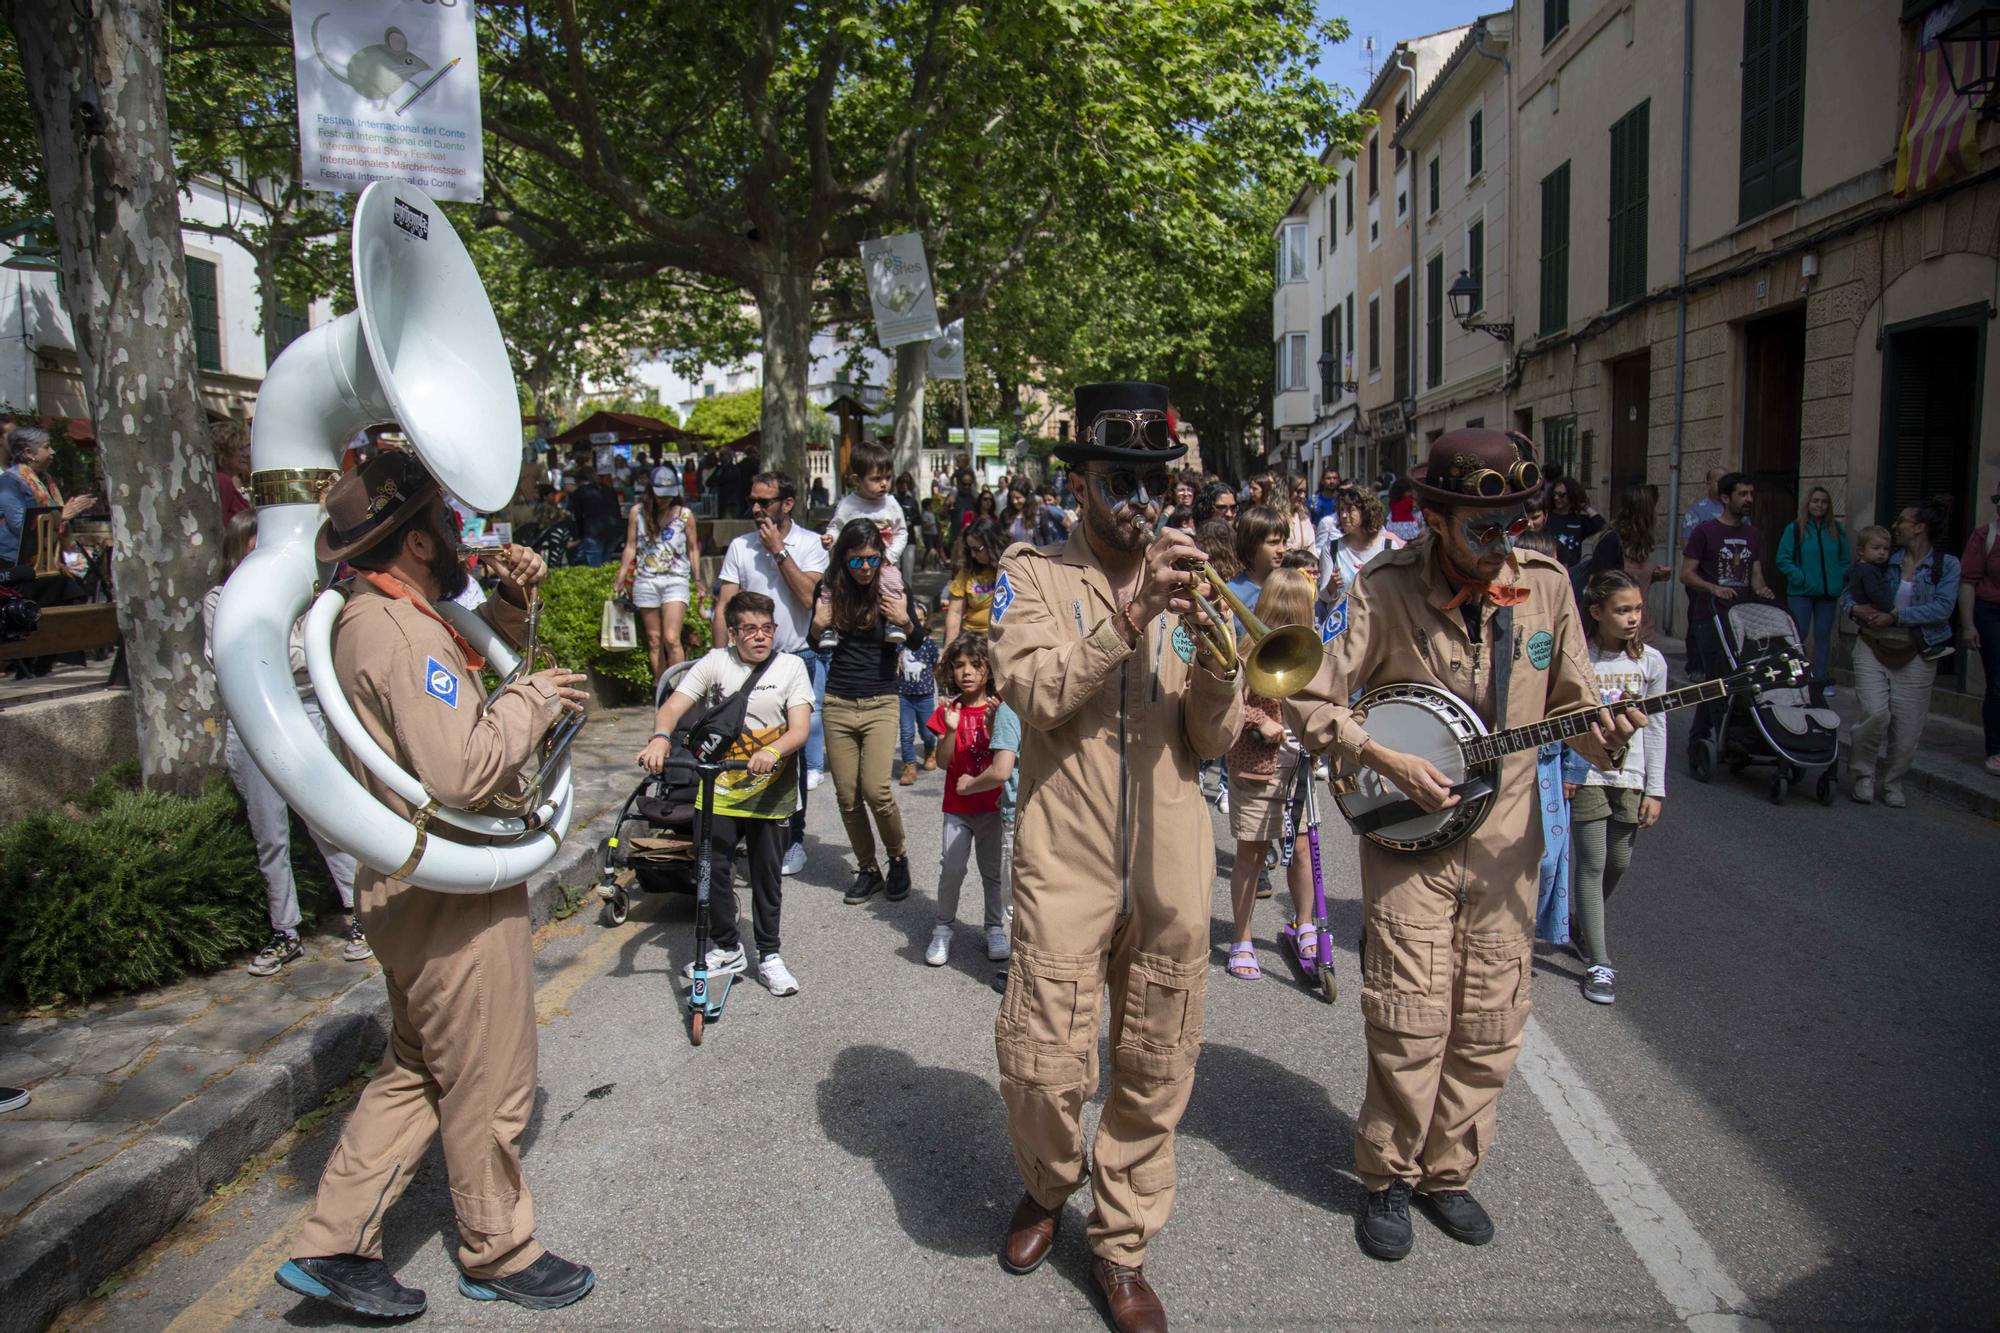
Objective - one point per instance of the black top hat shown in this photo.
(1478, 469)
(1138, 426)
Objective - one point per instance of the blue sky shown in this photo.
(1387, 20)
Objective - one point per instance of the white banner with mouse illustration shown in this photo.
(388, 90)
(947, 353)
(899, 288)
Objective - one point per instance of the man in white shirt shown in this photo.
(784, 562)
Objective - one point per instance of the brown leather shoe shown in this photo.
(1130, 1300)
(909, 774)
(930, 760)
(1031, 1234)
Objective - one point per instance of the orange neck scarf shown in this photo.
(1496, 594)
(391, 586)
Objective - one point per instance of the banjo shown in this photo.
(1435, 724)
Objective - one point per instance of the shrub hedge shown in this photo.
(572, 608)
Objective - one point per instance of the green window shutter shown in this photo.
(1475, 259)
(1337, 373)
(1325, 346)
(1555, 17)
(1374, 334)
(206, 306)
(289, 321)
(1629, 179)
(1475, 145)
(1555, 250)
(1434, 322)
(1774, 79)
(1349, 189)
(1434, 185)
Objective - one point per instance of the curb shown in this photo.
(101, 1221)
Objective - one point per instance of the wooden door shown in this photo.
(1774, 367)
(1631, 396)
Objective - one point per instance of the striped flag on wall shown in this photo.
(1940, 138)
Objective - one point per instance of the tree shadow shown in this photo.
(1297, 1140)
(937, 1138)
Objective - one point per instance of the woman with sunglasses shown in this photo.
(1464, 611)
(863, 705)
(968, 602)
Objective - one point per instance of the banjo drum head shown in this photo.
(1431, 727)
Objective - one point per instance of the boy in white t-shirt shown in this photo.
(871, 475)
(753, 805)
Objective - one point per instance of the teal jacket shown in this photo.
(1815, 566)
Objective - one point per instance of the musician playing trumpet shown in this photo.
(1120, 700)
(459, 966)
(1448, 946)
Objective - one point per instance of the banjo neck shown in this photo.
(1485, 749)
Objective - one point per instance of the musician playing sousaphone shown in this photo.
(1448, 946)
(459, 966)
(1120, 701)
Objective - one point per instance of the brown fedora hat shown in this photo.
(372, 501)
(1479, 469)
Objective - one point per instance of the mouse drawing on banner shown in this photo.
(378, 70)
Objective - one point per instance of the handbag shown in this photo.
(617, 626)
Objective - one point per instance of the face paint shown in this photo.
(1491, 532)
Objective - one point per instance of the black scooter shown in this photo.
(704, 1004)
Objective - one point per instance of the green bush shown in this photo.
(143, 889)
(572, 609)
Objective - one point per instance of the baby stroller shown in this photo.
(1783, 728)
(651, 847)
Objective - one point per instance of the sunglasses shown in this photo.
(864, 562)
(764, 503)
(1116, 428)
(1491, 532)
(1123, 486)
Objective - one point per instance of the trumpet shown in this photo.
(1277, 663)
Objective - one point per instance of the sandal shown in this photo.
(1306, 940)
(1243, 961)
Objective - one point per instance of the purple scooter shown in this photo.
(1318, 973)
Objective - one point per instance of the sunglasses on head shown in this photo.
(864, 562)
(1489, 533)
(1116, 428)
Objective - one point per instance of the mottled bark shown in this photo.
(98, 96)
(912, 367)
(785, 304)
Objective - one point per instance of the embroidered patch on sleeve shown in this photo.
(1541, 649)
(1003, 596)
(440, 682)
(1183, 643)
(1335, 623)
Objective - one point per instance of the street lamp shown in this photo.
(1970, 48)
(1464, 297)
(1325, 364)
(34, 245)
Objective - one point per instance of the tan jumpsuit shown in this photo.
(1114, 866)
(459, 967)
(1449, 946)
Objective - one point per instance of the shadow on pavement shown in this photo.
(1297, 1141)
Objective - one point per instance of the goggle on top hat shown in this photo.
(1478, 468)
(1123, 421)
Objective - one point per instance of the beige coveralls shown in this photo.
(1113, 868)
(1449, 951)
(459, 967)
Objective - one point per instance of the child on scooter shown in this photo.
(974, 774)
(1261, 765)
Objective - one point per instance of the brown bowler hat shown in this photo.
(372, 501)
(1479, 469)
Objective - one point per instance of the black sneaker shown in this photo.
(828, 640)
(1384, 1225)
(1600, 984)
(281, 949)
(898, 884)
(549, 1283)
(13, 1098)
(365, 1286)
(867, 883)
(1458, 1215)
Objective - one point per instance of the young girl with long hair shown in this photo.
(975, 774)
(863, 703)
(1262, 763)
(1626, 544)
(1607, 810)
(968, 606)
(662, 551)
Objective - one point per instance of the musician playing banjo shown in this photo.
(1447, 952)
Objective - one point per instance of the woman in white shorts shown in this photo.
(662, 551)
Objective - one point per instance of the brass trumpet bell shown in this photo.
(1278, 663)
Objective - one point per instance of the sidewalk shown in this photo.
(1950, 762)
(144, 1104)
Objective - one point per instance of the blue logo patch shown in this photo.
(440, 682)
(1335, 623)
(1541, 649)
(1003, 596)
(1183, 643)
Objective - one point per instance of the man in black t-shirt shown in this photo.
(1721, 561)
(600, 521)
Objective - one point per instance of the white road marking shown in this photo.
(1684, 1268)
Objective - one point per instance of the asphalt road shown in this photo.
(1791, 1110)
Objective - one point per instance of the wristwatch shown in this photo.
(782, 554)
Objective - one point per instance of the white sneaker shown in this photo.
(1993, 764)
(1222, 800)
(940, 945)
(997, 947)
(1893, 798)
(1864, 790)
(814, 776)
(795, 859)
(721, 962)
(777, 976)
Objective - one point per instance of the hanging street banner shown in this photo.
(948, 353)
(899, 288)
(388, 90)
